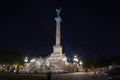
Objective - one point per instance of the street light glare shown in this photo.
(64, 59)
(33, 60)
(81, 63)
(75, 59)
(75, 56)
(26, 59)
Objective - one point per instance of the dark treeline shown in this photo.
(96, 61)
(10, 56)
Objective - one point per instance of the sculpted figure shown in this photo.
(58, 12)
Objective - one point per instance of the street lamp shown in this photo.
(75, 59)
(81, 63)
(26, 59)
(64, 59)
(75, 56)
(81, 66)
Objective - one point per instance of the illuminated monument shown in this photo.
(57, 59)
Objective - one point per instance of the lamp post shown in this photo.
(26, 59)
(75, 60)
(81, 66)
(81, 63)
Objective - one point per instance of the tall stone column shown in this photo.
(57, 48)
(57, 58)
(58, 37)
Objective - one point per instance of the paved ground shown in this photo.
(73, 76)
(65, 76)
(70, 76)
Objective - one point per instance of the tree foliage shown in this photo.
(9, 56)
(96, 61)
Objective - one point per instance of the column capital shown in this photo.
(58, 19)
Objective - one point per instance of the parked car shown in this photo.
(112, 74)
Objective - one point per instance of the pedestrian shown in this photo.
(49, 74)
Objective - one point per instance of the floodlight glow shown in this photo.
(64, 59)
(81, 63)
(33, 60)
(75, 59)
(3, 65)
(75, 56)
(26, 59)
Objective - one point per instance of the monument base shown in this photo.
(57, 59)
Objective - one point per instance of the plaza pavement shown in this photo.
(69, 76)
(73, 76)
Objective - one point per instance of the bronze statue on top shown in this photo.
(58, 12)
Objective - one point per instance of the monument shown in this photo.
(57, 59)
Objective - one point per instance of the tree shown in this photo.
(9, 56)
(115, 60)
(96, 61)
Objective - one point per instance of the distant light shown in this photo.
(81, 63)
(26, 59)
(47, 64)
(3, 65)
(75, 56)
(75, 59)
(33, 60)
(64, 59)
(73, 63)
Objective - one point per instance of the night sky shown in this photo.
(87, 27)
